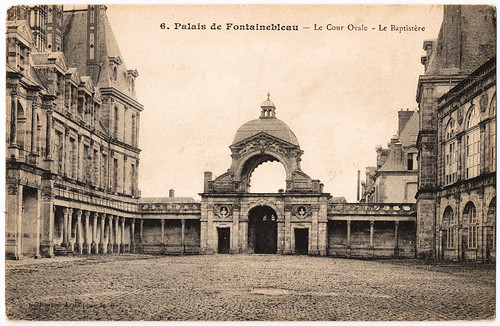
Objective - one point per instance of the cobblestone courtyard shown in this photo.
(245, 287)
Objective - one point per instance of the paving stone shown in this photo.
(246, 287)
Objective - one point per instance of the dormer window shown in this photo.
(114, 62)
(131, 76)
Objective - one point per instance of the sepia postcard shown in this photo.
(243, 162)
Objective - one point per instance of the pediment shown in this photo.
(60, 61)
(25, 32)
(74, 75)
(87, 83)
(263, 139)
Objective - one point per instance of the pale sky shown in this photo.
(338, 91)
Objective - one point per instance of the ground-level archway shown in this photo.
(262, 230)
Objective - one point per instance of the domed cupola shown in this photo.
(267, 123)
(266, 139)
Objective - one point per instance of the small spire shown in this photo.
(268, 95)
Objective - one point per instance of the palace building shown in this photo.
(72, 158)
(72, 134)
(456, 142)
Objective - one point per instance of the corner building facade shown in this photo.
(71, 132)
(456, 142)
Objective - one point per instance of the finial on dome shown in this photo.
(268, 109)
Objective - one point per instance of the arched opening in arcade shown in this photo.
(269, 177)
(262, 230)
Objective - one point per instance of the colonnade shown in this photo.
(94, 232)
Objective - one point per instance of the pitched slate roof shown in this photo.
(75, 43)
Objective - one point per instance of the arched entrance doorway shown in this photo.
(262, 230)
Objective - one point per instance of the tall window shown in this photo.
(115, 130)
(104, 171)
(132, 179)
(450, 222)
(470, 219)
(59, 151)
(450, 158)
(472, 155)
(115, 174)
(410, 161)
(72, 157)
(133, 131)
(86, 165)
(96, 168)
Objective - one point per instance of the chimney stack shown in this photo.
(171, 193)
(207, 176)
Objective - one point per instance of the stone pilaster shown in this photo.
(13, 221)
(288, 230)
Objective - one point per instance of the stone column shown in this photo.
(65, 228)
(101, 235)
(132, 235)
(183, 230)
(372, 223)
(78, 243)
(70, 227)
(115, 242)
(162, 239)
(86, 242)
(122, 239)
(348, 234)
(93, 246)
(38, 222)
(396, 238)
(47, 219)
(110, 234)
(141, 235)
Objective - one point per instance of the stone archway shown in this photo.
(262, 230)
